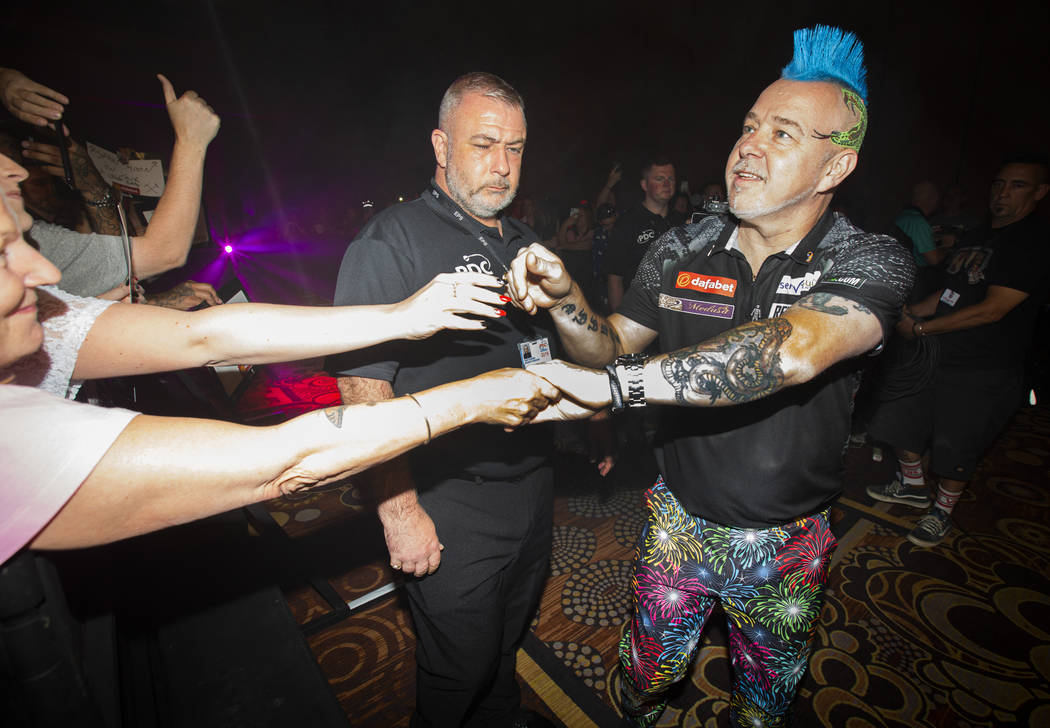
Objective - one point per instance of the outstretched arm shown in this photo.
(742, 364)
(169, 234)
(162, 471)
(141, 339)
(762, 357)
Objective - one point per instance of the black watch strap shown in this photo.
(614, 389)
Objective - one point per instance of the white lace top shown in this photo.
(66, 320)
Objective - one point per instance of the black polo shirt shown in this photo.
(630, 238)
(779, 458)
(1016, 256)
(396, 254)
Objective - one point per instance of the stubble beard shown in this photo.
(474, 200)
(770, 209)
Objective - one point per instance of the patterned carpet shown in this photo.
(957, 635)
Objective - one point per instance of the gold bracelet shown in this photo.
(413, 398)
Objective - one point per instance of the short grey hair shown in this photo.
(477, 82)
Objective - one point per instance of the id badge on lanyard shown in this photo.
(535, 351)
(531, 351)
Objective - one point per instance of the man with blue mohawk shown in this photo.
(762, 317)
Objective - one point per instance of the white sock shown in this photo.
(946, 500)
(911, 472)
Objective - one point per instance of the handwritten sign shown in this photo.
(143, 177)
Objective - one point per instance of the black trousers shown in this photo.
(471, 614)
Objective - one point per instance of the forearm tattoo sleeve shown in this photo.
(738, 366)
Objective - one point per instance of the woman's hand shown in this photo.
(586, 391)
(445, 301)
(85, 175)
(508, 397)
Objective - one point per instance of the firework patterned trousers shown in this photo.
(770, 583)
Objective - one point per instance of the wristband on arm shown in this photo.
(633, 366)
(614, 389)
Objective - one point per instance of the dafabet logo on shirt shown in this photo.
(707, 284)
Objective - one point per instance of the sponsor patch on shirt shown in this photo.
(707, 284)
(697, 308)
(950, 297)
(778, 308)
(646, 236)
(797, 286)
(852, 281)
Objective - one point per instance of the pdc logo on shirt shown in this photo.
(706, 284)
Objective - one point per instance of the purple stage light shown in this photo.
(228, 248)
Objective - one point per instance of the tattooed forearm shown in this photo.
(831, 304)
(580, 316)
(739, 365)
(93, 187)
(822, 302)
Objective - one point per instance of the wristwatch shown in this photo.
(633, 367)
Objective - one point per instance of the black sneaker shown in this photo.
(916, 496)
(931, 529)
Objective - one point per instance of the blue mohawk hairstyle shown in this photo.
(824, 53)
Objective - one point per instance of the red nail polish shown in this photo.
(505, 299)
(502, 312)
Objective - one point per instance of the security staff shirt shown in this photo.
(396, 254)
(775, 459)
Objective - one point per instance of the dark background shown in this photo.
(324, 104)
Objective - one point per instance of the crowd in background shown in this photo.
(82, 226)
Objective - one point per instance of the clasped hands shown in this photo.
(583, 392)
(538, 279)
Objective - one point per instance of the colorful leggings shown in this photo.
(770, 582)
